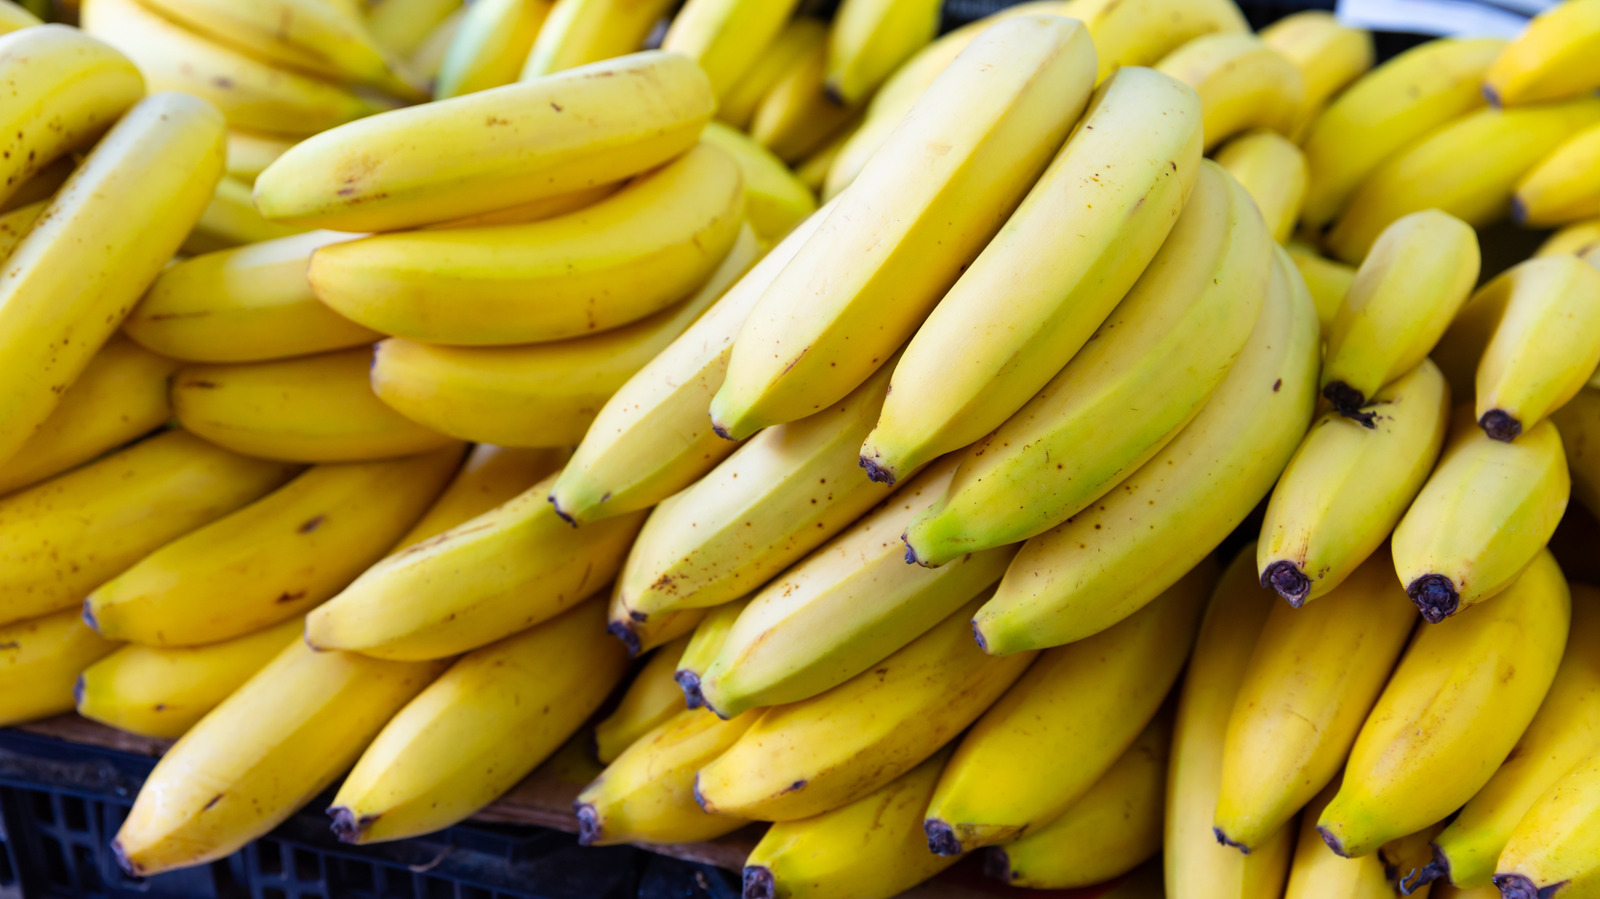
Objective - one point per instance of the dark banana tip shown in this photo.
(1345, 398)
(1333, 842)
(128, 865)
(690, 682)
(699, 797)
(346, 826)
(721, 431)
(996, 864)
(942, 838)
(77, 692)
(1435, 597)
(1519, 211)
(977, 636)
(758, 883)
(875, 472)
(1222, 840)
(911, 554)
(560, 514)
(1515, 886)
(1499, 425)
(834, 95)
(621, 631)
(1415, 880)
(1492, 95)
(88, 617)
(1283, 578)
(588, 823)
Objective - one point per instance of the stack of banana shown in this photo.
(353, 442)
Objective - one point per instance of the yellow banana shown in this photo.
(16, 18)
(843, 608)
(794, 43)
(704, 645)
(39, 660)
(541, 394)
(427, 58)
(1552, 852)
(43, 185)
(1314, 676)
(647, 794)
(1329, 55)
(1553, 59)
(62, 538)
(931, 197)
(311, 409)
(485, 723)
(871, 848)
(403, 26)
(651, 700)
(490, 46)
(1386, 111)
(870, 39)
(18, 224)
(634, 253)
(1318, 873)
(821, 753)
(492, 149)
(1142, 32)
(652, 438)
(249, 153)
(1404, 296)
(231, 220)
(1459, 352)
(1459, 700)
(122, 395)
(492, 475)
(1469, 169)
(250, 304)
(1196, 866)
(1080, 240)
(1483, 515)
(1043, 745)
(1146, 372)
(274, 559)
(1273, 170)
(1328, 280)
(1348, 485)
(266, 750)
(1579, 422)
(1545, 346)
(536, 211)
(726, 37)
(508, 569)
(1563, 188)
(797, 117)
(579, 32)
(775, 200)
(1574, 238)
(1242, 83)
(813, 170)
(163, 691)
(1105, 563)
(642, 636)
(99, 244)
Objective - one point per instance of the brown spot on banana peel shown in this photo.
(942, 839)
(1500, 425)
(759, 883)
(1435, 596)
(1285, 579)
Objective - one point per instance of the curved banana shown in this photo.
(726, 37)
(1142, 32)
(490, 46)
(265, 751)
(796, 42)
(1459, 700)
(1544, 348)
(62, 538)
(1329, 55)
(1145, 373)
(704, 645)
(1064, 724)
(310, 409)
(1553, 59)
(163, 691)
(102, 240)
(492, 149)
(249, 153)
(775, 200)
(652, 699)
(1575, 238)
(39, 661)
(1469, 169)
(404, 26)
(797, 117)
(931, 197)
(1563, 187)
(1579, 422)
(122, 395)
(18, 224)
(1318, 873)
(819, 754)
(1348, 485)
(1088, 573)
(1242, 82)
(1096, 220)
(634, 253)
(1553, 851)
(508, 569)
(274, 559)
(1485, 512)
(1273, 171)
(870, 39)
(579, 32)
(1460, 351)
(491, 476)
(231, 220)
(1328, 280)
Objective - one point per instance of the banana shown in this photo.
(1562, 188)
(1142, 32)
(506, 570)
(1096, 220)
(1243, 84)
(1113, 827)
(16, 18)
(926, 204)
(1459, 352)
(1406, 860)
(231, 220)
(796, 42)
(871, 848)
(428, 58)
(1482, 516)
(1314, 676)
(541, 394)
(1196, 866)
(642, 636)
(1146, 372)
(536, 211)
(1088, 573)
(775, 499)
(813, 170)
(42, 185)
(579, 32)
(39, 659)
(726, 37)
(1553, 58)
(1328, 280)
(1469, 169)
(121, 396)
(490, 46)
(1348, 485)
(1544, 348)
(1552, 852)
(102, 240)
(1329, 55)
(650, 701)
(18, 224)
(1574, 238)
(1579, 422)
(819, 754)
(492, 149)
(1043, 745)
(870, 39)
(491, 476)
(1318, 873)
(274, 559)
(404, 26)
(638, 251)
(797, 117)
(250, 304)
(652, 438)
(1404, 296)
(265, 751)
(646, 795)
(843, 608)
(704, 645)
(1386, 111)
(249, 153)
(1566, 729)
(162, 691)
(1273, 170)
(1460, 699)
(66, 90)
(62, 538)
(482, 726)
(775, 200)
(310, 409)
